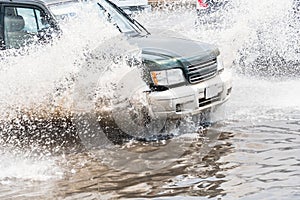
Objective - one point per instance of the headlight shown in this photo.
(220, 63)
(167, 77)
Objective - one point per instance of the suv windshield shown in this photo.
(108, 10)
(124, 23)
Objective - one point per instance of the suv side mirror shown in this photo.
(47, 34)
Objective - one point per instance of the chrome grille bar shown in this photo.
(202, 71)
(202, 65)
(197, 78)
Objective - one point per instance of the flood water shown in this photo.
(250, 151)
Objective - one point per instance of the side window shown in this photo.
(22, 25)
(28, 14)
(34, 20)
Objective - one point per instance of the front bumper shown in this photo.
(191, 99)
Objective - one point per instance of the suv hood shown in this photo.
(185, 50)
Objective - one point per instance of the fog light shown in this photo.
(178, 107)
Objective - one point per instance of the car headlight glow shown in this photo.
(167, 77)
(220, 63)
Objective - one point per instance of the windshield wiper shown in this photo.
(136, 23)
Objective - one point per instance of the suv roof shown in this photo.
(42, 3)
(45, 2)
(53, 2)
(23, 1)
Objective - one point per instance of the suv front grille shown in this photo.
(202, 71)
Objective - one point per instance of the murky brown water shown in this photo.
(230, 160)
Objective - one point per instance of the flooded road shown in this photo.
(251, 151)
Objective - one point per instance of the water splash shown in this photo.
(250, 34)
(31, 80)
(36, 88)
(25, 166)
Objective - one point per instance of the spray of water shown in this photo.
(36, 89)
(260, 37)
(31, 80)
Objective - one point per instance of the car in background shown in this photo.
(131, 6)
(63, 11)
(213, 11)
(210, 6)
(59, 8)
(177, 2)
